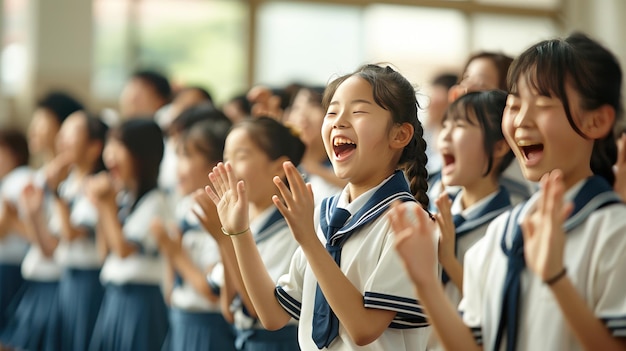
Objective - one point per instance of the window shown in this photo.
(193, 42)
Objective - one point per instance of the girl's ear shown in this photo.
(401, 135)
(599, 122)
(500, 149)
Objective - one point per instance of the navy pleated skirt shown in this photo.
(80, 296)
(285, 339)
(132, 317)
(190, 331)
(10, 284)
(35, 323)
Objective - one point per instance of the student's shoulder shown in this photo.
(608, 221)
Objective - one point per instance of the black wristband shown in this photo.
(556, 278)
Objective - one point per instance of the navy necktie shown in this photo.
(325, 323)
(458, 219)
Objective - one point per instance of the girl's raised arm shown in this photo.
(99, 189)
(364, 325)
(414, 243)
(232, 205)
(32, 200)
(544, 244)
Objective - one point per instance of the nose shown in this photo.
(523, 117)
(341, 119)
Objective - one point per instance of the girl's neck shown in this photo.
(357, 189)
(473, 193)
(257, 208)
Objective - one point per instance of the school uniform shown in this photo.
(196, 323)
(80, 290)
(512, 180)
(35, 323)
(133, 315)
(471, 224)
(595, 257)
(368, 259)
(276, 246)
(13, 248)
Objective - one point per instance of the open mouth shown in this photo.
(343, 147)
(531, 151)
(448, 159)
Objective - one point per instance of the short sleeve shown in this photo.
(388, 287)
(610, 280)
(470, 306)
(137, 225)
(289, 288)
(475, 266)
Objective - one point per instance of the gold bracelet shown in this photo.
(556, 277)
(234, 234)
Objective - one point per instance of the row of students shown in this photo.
(549, 273)
(345, 283)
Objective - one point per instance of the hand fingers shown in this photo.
(216, 180)
(280, 206)
(296, 183)
(230, 177)
(212, 195)
(397, 218)
(285, 193)
(241, 193)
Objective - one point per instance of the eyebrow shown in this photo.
(357, 101)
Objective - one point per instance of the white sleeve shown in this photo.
(388, 287)
(609, 269)
(475, 266)
(137, 226)
(289, 286)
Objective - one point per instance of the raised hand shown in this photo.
(415, 241)
(298, 206)
(207, 214)
(446, 227)
(32, 199)
(544, 238)
(100, 189)
(161, 236)
(230, 198)
(57, 171)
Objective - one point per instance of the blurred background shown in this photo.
(90, 47)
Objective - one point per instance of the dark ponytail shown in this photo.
(589, 68)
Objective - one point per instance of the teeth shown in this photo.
(342, 141)
(526, 143)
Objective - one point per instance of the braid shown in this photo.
(603, 158)
(415, 159)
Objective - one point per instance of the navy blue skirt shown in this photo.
(11, 282)
(190, 331)
(35, 324)
(285, 339)
(132, 317)
(80, 295)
